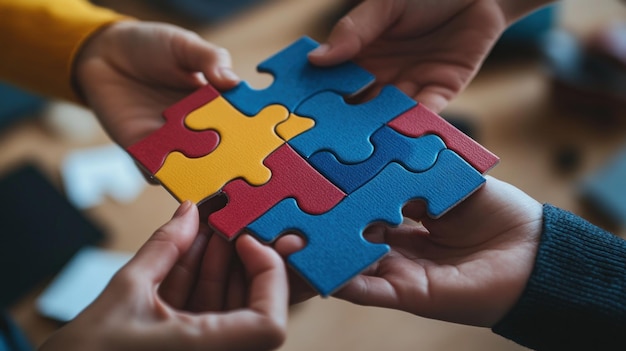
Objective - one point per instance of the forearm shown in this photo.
(576, 295)
(515, 9)
(40, 38)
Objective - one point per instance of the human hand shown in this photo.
(130, 71)
(165, 298)
(469, 266)
(430, 49)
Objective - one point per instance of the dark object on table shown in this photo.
(568, 159)
(609, 42)
(204, 11)
(583, 81)
(40, 231)
(605, 190)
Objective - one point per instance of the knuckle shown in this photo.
(346, 23)
(125, 280)
(222, 54)
(221, 51)
(274, 333)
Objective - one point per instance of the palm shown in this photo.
(131, 76)
(455, 283)
(429, 49)
(134, 110)
(468, 266)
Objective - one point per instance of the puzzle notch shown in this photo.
(244, 144)
(333, 257)
(420, 120)
(270, 193)
(345, 129)
(152, 151)
(292, 177)
(415, 154)
(296, 79)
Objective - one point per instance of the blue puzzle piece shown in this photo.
(334, 256)
(345, 129)
(295, 79)
(415, 154)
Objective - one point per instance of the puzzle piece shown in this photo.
(295, 79)
(293, 126)
(292, 177)
(335, 255)
(244, 144)
(262, 149)
(345, 129)
(420, 120)
(151, 151)
(415, 154)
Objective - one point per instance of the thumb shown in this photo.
(160, 253)
(199, 55)
(355, 31)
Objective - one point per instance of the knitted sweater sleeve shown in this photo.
(575, 298)
(39, 40)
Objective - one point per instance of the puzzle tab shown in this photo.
(295, 80)
(174, 136)
(295, 157)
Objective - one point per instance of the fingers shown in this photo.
(199, 55)
(237, 296)
(263, 321)
(415, 210)
(212, 283)
(267, 279)
(494, 208)
(177, 286)
(357, 30)
(167, 245)
(288, 244)
(436, 98)
(368, 291)
(299, 289)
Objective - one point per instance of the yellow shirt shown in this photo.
(39, 40)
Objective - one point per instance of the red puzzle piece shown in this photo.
(175, 136)
(420, 120)
(292, 176)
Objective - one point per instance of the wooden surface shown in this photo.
(509, 103)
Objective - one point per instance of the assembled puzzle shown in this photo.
(295, 157)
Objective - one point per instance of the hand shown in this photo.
(469, 266)
(130, 71)
(430, 49)
(159, 300)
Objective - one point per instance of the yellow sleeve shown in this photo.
(39, 40)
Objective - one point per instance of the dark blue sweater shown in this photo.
(575, 298)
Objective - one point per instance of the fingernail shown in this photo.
(320, 50)
(228, 74)
(182, 209)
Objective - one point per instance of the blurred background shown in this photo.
(550, 101)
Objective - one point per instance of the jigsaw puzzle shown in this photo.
(295, 157)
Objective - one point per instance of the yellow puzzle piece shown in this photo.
(293, 126)
(244, 143)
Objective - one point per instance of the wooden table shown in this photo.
(510, 103)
